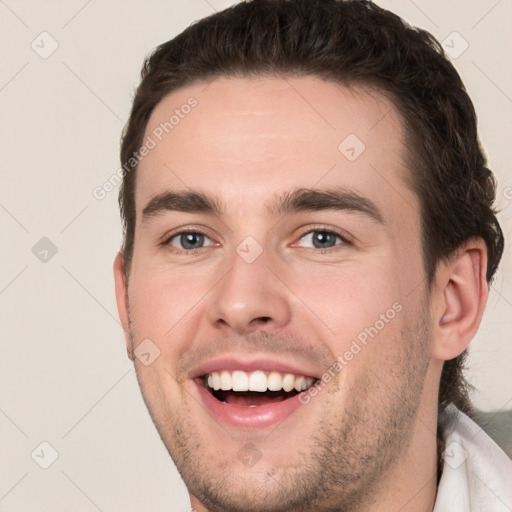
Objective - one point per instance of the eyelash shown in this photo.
(323, 229)
(167, 241)
(345, 240)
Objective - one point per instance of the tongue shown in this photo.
(248, 399)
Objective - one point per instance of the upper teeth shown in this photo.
(257, 381)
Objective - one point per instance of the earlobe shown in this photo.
(122, 300)
(460, 293)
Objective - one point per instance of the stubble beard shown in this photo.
(339, 468)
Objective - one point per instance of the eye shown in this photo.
(189, 240)
(321, 239)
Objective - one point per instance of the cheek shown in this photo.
(162, 309)
(350, 299)
(162, 306)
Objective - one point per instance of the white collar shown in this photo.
(477, 474)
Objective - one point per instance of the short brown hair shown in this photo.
(352, 42)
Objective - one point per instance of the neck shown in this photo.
(412, 484)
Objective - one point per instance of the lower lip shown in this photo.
(248, 417)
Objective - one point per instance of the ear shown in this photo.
(122, 301)
(459, 294)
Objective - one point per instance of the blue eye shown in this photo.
(321, 239)
(190, 240)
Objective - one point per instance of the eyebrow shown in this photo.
(300, 200)
(189, 202)
(304, 199)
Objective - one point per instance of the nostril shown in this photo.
(262, 319)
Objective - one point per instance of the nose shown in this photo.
(249, 298)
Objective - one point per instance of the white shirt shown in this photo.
(477, 474)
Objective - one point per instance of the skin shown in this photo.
(367, 441)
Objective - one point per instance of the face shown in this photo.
(277, 276)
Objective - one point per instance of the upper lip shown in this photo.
(232, 363)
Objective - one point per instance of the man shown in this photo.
(309, 238)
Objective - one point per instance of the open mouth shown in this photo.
(253, 389)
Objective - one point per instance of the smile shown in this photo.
(252, 398)
(256, 388)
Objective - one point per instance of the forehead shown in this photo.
(249, 137)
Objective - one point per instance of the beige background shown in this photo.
(64, 375)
